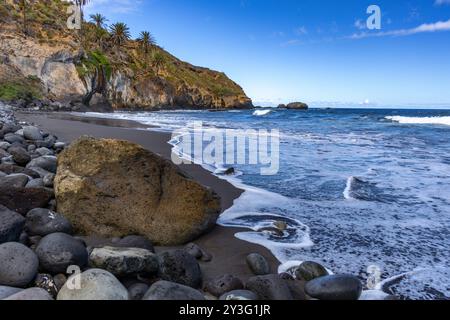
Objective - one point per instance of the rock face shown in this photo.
(117, 188)
(124, 261)
(19, 265)
(95, 284)
(164, 290)
(334, 287)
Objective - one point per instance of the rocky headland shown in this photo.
(44, 65)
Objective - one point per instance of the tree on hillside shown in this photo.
(146, 40)
(23, 7)
(99, 20)
(120, 33)
(158, 61)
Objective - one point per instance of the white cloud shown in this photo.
(441, 2)
(359, 24)
(424, 28)
(113, 6)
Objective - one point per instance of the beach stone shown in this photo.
(37, 294)
(135, 242)
(258, 264)
(310, 270)
(13, 168)
(164, 290)
(44, 151)
(59, 280)
(31, 148)
(5, 291)
(12, 138)
(194, 250)
(20, 155)
(48, 180)
(39, 172)
(23, 200)
(95, 284)
(32, 133)
(334, 287)
(42, 222)
(57, 251)
(223, 284)
(10, 128)
(239, 295)
(124, 261)
(45, 162)
(35, 183)
(59, 145)
(137, 291)
(4, 145)
(46, 282)
(4, 154)
(19, 265)
(139, 193)
(15, 180)
(269, 287)
(180, 267)
(11, 225)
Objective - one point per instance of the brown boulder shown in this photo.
(116, 188)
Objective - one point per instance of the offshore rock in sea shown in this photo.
(116, 188)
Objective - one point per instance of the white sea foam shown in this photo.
(421, 120)
(262, 112)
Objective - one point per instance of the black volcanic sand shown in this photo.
(229, 253)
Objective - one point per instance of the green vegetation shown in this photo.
(120, 33)
(95, 61)
(20, 90)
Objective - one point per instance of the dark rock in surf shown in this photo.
(334, 287)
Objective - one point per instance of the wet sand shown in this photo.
(228, 252)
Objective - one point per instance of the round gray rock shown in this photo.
(164, 290)
(42, 222)
(223, 284)
(45, 162)
(15, 180)
(310, 270)
(94, 284)
(31, 294)
(258, 264)
(20, 155)
(57, 251)
(269, 287)
(11, 225)
(35, 183)
(239, 295)
(19, 265)
(180, 267)
(32, 133)
(5, 292)
(334, 287)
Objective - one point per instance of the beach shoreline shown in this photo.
(228, 253)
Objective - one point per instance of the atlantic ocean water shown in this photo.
(359, 189)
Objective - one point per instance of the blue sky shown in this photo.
(318, 51)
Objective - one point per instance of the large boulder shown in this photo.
(58, 251)
(116, 188)
(18, 265)
(164, 290)
(94, 284)
(124, 261)
(11, 225)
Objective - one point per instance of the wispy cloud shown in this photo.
(301, 31)
(441, 2)
(359, 24)
(423, 28)
(113, 6)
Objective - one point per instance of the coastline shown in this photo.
(229, 253)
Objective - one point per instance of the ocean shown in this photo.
(361, 191)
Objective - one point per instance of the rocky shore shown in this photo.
(49, 250)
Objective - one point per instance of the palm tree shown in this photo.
(120, 33)
(99, 20)
(146, 40)
(158, 61)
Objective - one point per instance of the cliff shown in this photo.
(40, 58)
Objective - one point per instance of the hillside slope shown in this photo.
(40, 58)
